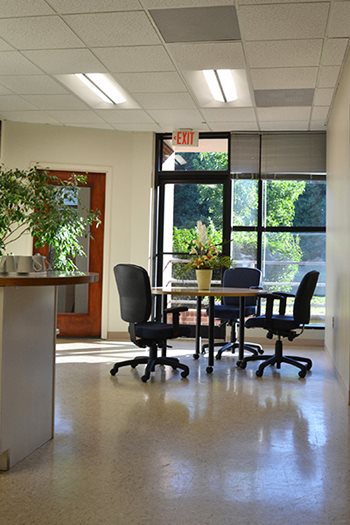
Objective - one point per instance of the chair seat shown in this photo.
(275, 323)
(223, 311)
(151, 331)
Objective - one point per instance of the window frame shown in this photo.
(226, 178)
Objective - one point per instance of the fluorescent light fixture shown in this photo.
(221, 84)
(102, 86)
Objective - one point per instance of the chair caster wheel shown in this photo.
(261, 351)
(144, 379)
(302, 373)
(196, 356)
(113, 371)
(209, 369)
(133, 365)
(259, 373)
(308, 366)
(218, 357)
(185, 373)
(241, 364)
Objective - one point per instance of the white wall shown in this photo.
(338, 231)
(127, 158)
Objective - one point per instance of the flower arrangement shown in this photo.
(204, 254)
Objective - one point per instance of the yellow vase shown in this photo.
(204, 278)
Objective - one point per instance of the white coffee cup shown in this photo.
(27, 264)
(3, 264)
(11, 263)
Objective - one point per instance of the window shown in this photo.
(274, 220)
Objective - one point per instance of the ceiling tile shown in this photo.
(4, 46)
(135, 58)
(274, 22)
(55, 101)
(328, 76)
(66, 61)
(282, 125)
(284, 53)
(4, 90)
(319, 113)
(35, 117)
(323, 97)
(197, 24)
(169, 127)
(165, 100)
(283, 114)
(151, 82)
(216, 55)
(163, 4)
(13, 63)
(284, 77)
(92, 6)
(339, 24)
(76, 116)
(38, 33)
(14, 103)
(283, 97)
(117, 116)
(114, 29)
(317, 125)
(233, 126)
(229, 115)
(32, 84)
(146, 126)
(94, 125)
(10, 8)
(333, 51)
(177, 118)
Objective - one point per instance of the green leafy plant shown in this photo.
(48, 208)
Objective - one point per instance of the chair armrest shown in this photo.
(175, 311)
(270, 298)
(283, 303)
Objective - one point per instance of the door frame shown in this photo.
(87, 324)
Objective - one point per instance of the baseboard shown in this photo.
(342, 385)
(118, 336)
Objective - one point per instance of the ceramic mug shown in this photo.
(40, 263)
(8, 264)
(3, 264)
(28, 264)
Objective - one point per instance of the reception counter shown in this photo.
(27, 360)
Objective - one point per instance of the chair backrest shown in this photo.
(134, 292)
(303, 296)
(241, 277)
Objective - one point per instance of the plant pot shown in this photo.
(204, 278)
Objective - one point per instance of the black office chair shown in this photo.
(284, 325)
(135, 306)
(228, 312)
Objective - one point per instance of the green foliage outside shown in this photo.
(46, 207)
(288, 203)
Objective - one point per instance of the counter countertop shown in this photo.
(47, 279)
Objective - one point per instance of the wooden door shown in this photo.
(79, 306)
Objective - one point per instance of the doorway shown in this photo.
(79, 306)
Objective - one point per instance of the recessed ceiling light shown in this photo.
(221, 84)
(102, 86)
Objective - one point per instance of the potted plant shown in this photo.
(47, 207)
(205, 257)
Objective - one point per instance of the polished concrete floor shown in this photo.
(226, 448)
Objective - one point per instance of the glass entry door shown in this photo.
(183, 205)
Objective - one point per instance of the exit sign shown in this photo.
(185, 137)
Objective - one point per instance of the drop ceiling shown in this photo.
(287, 56)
